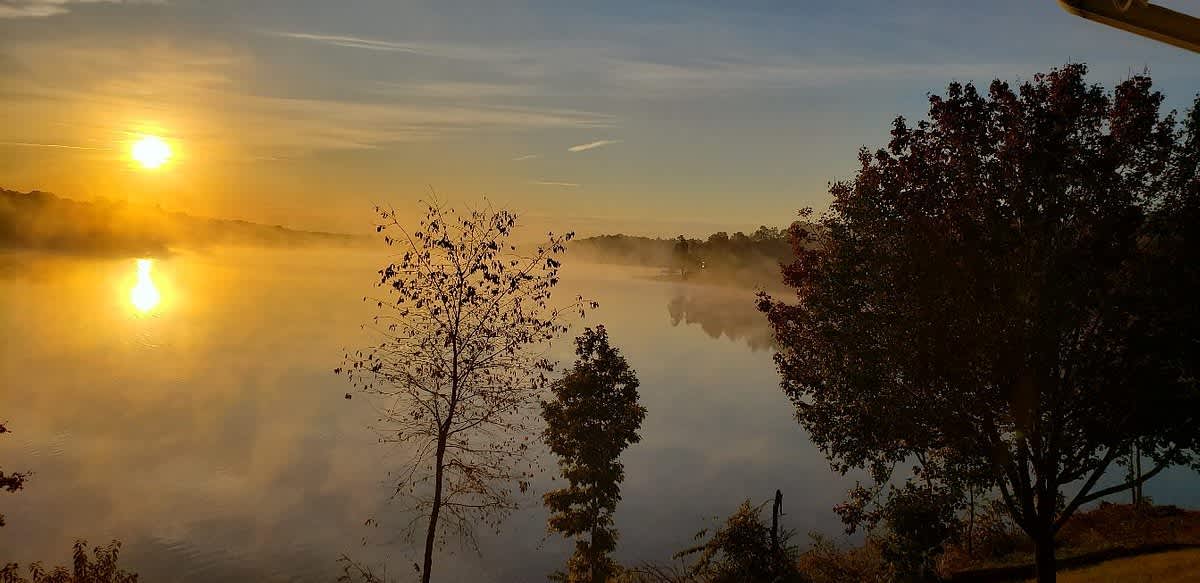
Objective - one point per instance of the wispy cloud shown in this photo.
(354, 42)
(456, 90)
(592, 145)
(565, 70)
(526, 157)
(210, 79)
(37, 145)
(466, 52)
(554, 183)
(44, 8)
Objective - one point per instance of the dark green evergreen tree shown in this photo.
(593, 417)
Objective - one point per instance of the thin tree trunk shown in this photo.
(593, 557)
(1137, 463)
(776, 509)
(431, 535)
(1046, 564)
(971, 523)
(593, 575)
(1133, 494)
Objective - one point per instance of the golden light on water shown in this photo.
(151, 152)
(144, 296)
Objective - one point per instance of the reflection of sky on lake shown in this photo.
(211, 437)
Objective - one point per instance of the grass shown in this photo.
(1168, 567)
(1104, 537)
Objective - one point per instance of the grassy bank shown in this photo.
(1109, 534)
(1168, 567)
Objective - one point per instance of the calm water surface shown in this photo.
(201, 424)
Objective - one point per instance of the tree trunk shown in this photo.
(1046, 566)
(431, 535)
(1137, 465)
(776, 509)
(971, 523)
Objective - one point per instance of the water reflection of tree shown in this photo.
(722, 313)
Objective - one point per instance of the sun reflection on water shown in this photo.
(144, 296)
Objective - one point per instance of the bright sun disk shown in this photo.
(151, 152)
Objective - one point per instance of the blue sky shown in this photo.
(699, 115)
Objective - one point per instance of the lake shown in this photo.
(200, 422)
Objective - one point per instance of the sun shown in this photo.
(151, 152)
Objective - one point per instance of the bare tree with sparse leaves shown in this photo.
(461, 363)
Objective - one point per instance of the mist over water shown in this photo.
(208, 433)
(721, 312)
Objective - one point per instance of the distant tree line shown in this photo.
(718, 256)
(43, 221)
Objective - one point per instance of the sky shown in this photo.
(648, 116)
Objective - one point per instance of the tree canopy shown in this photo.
(1004, 296)
(594, 416)
(460, 362)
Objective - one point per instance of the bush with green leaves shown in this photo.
(84, 569)
(919, 519)
(741, 550)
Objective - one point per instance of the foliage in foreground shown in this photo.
(459, 365)
(102, 568)
(1001, 297)
(741, 549)
(994, 541)
(593, 417)
(10, 482)
(1105, 530)
(919, 521)
(827, 562)
(1169, 567)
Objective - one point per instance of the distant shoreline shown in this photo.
(43, 221)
